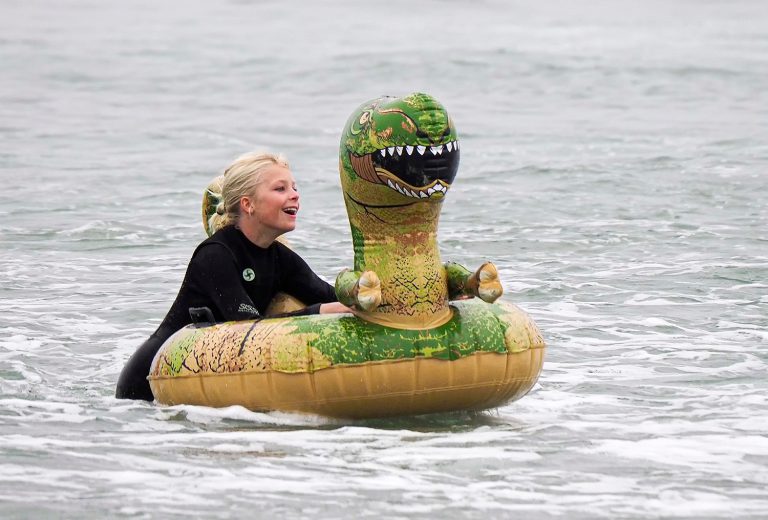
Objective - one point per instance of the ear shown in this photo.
(246, 206)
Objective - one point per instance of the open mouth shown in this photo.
(291, 211)
(418, 171)
(419, 166)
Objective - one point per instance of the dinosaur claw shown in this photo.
(489, 287)
(368, 291)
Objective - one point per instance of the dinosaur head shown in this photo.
(399, 150)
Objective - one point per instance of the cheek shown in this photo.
(269, 202)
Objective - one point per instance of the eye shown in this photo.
(280, 188)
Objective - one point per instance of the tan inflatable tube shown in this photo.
(376, 389)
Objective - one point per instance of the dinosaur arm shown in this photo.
(458, 281)
(483, 283)
(360, 290)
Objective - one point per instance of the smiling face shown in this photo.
(275, 202)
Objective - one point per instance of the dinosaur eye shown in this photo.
(365, 117)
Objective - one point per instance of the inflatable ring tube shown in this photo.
(415, 351)
(341, 366)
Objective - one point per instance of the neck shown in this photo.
(257, 233)
(401, 248)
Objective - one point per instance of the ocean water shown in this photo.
(614, 167)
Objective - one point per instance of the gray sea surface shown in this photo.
(614, 167)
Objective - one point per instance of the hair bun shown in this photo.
(220, 209)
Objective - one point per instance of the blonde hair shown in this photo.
(239, 180)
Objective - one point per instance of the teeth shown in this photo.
(436, 150)
(415, 193)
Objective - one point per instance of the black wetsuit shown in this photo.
(236, 280)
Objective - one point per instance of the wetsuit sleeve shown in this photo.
(214, 272)
(298, 280)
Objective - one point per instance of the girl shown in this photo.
(238, 270)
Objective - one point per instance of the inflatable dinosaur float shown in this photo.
(408, 348)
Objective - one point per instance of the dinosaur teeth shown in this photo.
(417, 193)
(437, 188)
(410, 149)
(406, 191)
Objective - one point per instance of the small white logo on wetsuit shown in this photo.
(244, 307)
(248, 274)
